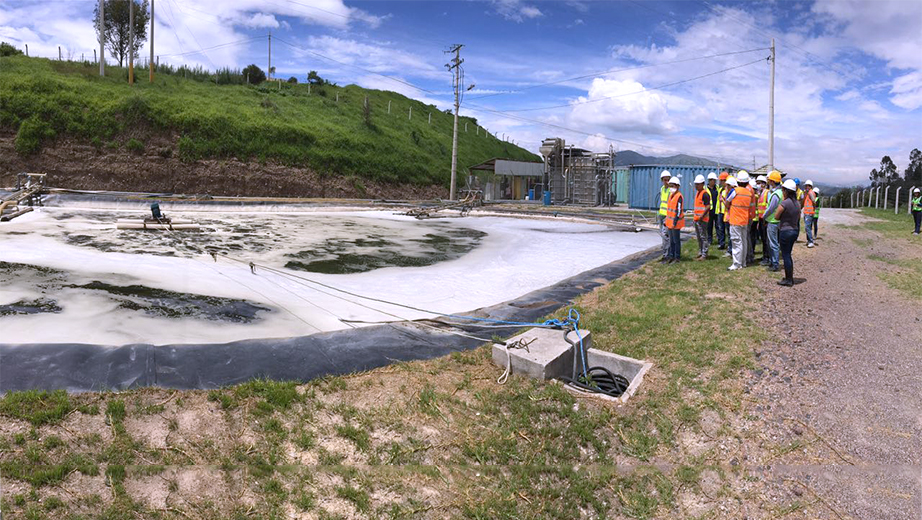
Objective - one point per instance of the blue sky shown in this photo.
(685, 76)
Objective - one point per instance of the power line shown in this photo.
(196, 41)
(613, 71)
(816, 59)
(407, 83)
(220, 45)
(659, 87)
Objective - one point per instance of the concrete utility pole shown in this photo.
(455, 67)
(771, 114)
(131, 42)
(27, 50)
(102, 40)
(269, 70)
(151, 41)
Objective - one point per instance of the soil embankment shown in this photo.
(78, 165)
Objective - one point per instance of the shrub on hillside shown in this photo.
(31, 133)
(254, 74)
(134, 146)
(8, 50)
(293, 80)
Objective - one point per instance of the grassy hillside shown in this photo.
(42, 100)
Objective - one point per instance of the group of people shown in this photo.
(768, 211)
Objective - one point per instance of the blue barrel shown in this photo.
(547, 198)
(531, 194)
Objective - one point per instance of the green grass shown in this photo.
(37, 406)
(892, 225)
(42, 99)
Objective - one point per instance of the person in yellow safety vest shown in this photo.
(816, 216)
(738, 215)
(762, 190)
(712, 211)
(675, 220)
(915, 205)
(661, 216)
(809, 210)
(702, 217)
(772, 224)
(742, 178)
(722, 238)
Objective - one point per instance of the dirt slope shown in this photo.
(78, 165)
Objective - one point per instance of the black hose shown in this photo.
(600, 380)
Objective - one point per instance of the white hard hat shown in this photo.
(742, 177)
(699, 179)
(712, 175)
(674, 180)
(915, 190)
(808, 183)
(816, 190)
(789, 185)
(731, 180)
(665, 174)
(761, 178)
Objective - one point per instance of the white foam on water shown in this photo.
(515, 257)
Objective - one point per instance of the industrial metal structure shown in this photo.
(577, 176)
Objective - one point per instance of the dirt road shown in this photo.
(837, 392)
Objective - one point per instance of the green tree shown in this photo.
(314, 79)
(293, 80)
(117, 27)
(874, 176)
(8, 50)
(913, 173)
(887, 171)
(254, 73)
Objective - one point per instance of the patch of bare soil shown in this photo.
(835, 395)
(76, 164)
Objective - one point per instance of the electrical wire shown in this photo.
(218, 46)
(659, 87)
(614, 71)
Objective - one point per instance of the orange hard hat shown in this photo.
(723, 176)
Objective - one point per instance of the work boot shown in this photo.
(664, 260)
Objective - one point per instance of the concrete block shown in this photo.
(548, 355)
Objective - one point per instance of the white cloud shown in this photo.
(907, 90)
(610, 104)
(516, 10)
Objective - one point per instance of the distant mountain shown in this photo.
(629, 157)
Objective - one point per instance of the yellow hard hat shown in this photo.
(775, 176)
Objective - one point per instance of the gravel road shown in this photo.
(837, 392)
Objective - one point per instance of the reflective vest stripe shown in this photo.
(701, 209)
(917, 204)
(753, 204)
(809, 204)
(771, 218)
(739, 207)
(675, 214)
(721, 207)
(663, 200)
(763, 203)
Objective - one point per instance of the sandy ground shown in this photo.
(837, 394)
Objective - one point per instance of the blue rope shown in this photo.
(572, 319)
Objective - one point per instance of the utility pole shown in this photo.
(269, 70)
(131, 42)
(455, 67)
(102, 40)
(151, 41)
(771, 114)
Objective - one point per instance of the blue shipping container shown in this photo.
(645, 183)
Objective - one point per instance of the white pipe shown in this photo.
(886, 196)
(852, 199)
(877, 198)
(870, 196)
(896, 209)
